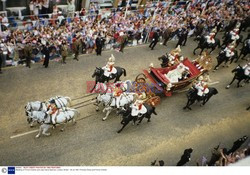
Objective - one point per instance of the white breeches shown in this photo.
(136, 111)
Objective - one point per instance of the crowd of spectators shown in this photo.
(84, 27)
(221, 156)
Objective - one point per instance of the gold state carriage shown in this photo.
(160, 83)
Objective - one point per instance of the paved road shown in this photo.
(94, 142)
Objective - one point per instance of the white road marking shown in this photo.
(212, 83)
(26, 133)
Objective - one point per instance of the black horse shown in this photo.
(127, 117)
(244, 50)
(239, 75)
(165, 60)
(223, 58)
(204, 45)
(228, 40)
(101, 78)
(193, 96)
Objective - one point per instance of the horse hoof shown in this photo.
(37, 136)
(138, 124)
(47, 134)
(227, 87)
(103, 119)
(149, 121)
(31, 126)
(97, 110)
(118, 131)
(61, 130)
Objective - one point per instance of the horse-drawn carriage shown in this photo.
(160, 83)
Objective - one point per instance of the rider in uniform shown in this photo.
(229, 50)
(247, 69)
(202, 87)
(235, 34)
(53, 111)
(109, 69)
(138, 109)
(210, 37)
(175, 57)
(118, 92)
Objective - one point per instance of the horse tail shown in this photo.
(77, 113)
(154, 111)
(124, 72)
(68, 100)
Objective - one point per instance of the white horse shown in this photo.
(109, 102)
(61, 102)
(36, 106)
(46, 120)
(107, 99)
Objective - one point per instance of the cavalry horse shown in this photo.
(193, 96)
(245, 50)
(239, 75)
(223, 58)
(204, 45)
(228, 40)
(127, 117)
(101, 78)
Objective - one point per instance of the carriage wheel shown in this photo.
(154, 101)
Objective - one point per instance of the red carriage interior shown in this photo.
(159, 72)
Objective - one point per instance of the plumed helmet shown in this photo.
(214, 30)
(200, 78)
(111, 59)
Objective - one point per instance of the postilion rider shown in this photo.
(53, 111)
(203, 62)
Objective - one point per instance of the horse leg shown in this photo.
(244, 55)
(40, 131)
(212, 50)
(46, 128)
(124, 125)
(192, 102)
(201, 50)
(32, 124)
(93, 88)
(238, 84)
(196, 49)
(217, 66)
(149, 117)
(187, 105)
(64, 126)
(140, 120)
(248, 108)
(228, 86)
(97, 106)
(107, 114)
